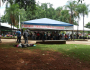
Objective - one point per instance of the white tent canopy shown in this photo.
(7, 25)
(47, 24)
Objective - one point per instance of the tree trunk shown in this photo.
(72, 23)
(77, 27)
(83, 24)
(11, 28)
(0, 31)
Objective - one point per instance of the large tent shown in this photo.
(46, 24)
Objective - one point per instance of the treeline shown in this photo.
(29, 9)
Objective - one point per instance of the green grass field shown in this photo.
(79, 51)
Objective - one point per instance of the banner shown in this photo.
(47, 27)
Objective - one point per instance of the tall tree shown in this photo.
(12, 11)
(44, 6)
(12, 14)
(71, 7)
(77, 16)
(9, 1)
(64, 16)
(58, 11)
(23, 3)
(83, 9)
(26, 3)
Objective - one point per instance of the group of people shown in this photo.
(25, 35)
(42, 36)
(48, 36)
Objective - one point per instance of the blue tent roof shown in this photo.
(47, 22)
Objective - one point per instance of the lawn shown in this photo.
(79, 51)
(45, 57)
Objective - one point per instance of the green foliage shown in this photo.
(26, 3)
(22, 6)
(12, 14)
(3, 18)
(24, 29)
(83, 8)
(23, 15)
(71, 5)
(22, 3)
(8, 1)
(64, 16)
(80, 1)
(88, 25)
(75, 23)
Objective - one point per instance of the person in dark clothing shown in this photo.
(26, 36)
(51, 36)
(60, 36)
(71, 36)
(66, 37)
(43, 36)
(18, 36)
(38, 36)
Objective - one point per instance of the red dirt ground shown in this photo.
(24, 59)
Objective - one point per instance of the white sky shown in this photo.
(57, 3)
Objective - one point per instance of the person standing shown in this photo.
(26, 36)
(18, 36)
(66, 38)
(71, 36)
(43, 37)
(38, 36)
(62, 36)
(49, 36)
(33, 36)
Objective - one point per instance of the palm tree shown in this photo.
(71, 6)
(83, 9)
(77, 16)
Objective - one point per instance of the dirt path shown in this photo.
(21, 59)
(14, 41)
(79, 42)
(33, 41)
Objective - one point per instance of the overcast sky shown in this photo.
(57, 3)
